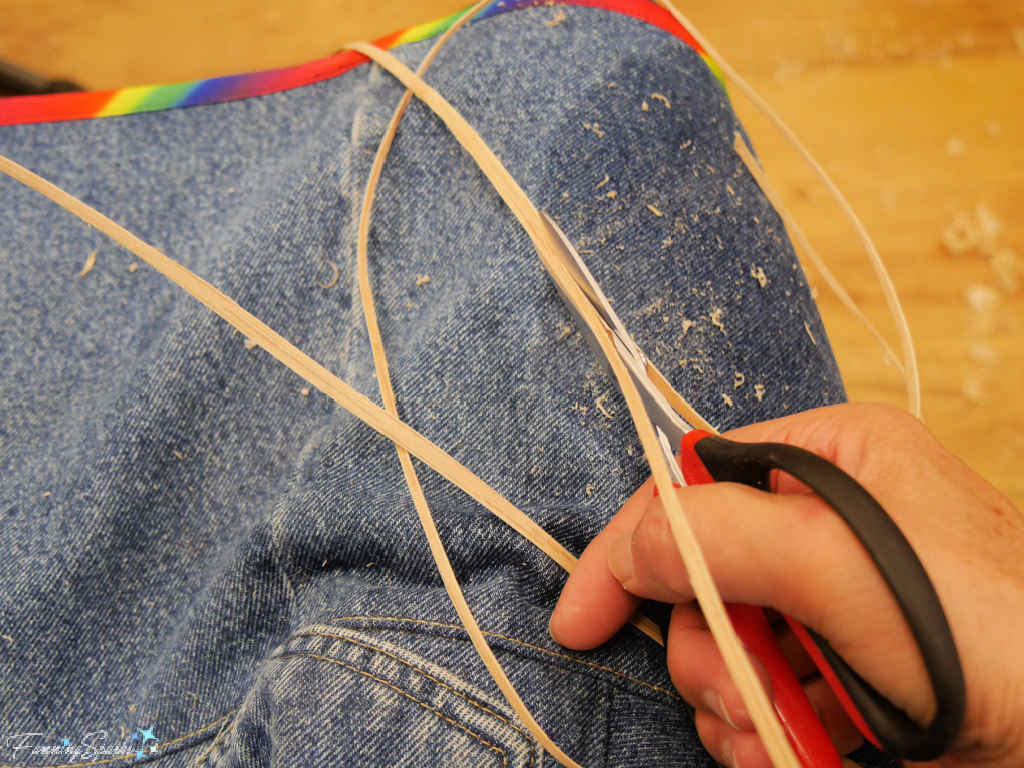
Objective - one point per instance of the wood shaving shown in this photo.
(595, 128)
(612, 195)
(600, 405)
(740, 379)
(983, 301)
(133, 267)
(644, 107)
(653, 308)
(552, 23)
(727, 399)
(969, 232)
(334, 279)
(535, 470)
(759, 392)
(984, 353)
(716, 319)
(565, 332)
(179, 455)
(422, 280)
(730, 190)
(90, 262)
(978, 233)
(687, 325)
(788, 70)
(1008, 268)
(607, 178)
(659, 97)
(304, 391)
(655, 211)
(974, 390)
(47, 495)
(666, 243)
(808, 329)
(249, 344)
(955, 146)
(591, 489)
(758, 274)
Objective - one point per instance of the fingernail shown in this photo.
(717, 705)
(729, 754)
(620, 557)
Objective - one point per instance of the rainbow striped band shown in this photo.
(151, 98)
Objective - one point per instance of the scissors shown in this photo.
(706, 458)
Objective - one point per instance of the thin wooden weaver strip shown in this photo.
(736, 660)
(303, 365)
(387, 393)
(911, 376)
(512, 516)
(741, 148)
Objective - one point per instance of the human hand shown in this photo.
(790, 552)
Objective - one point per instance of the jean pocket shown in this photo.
(339, 696)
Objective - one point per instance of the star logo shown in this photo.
(146, 734)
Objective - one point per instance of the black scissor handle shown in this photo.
(751, 464)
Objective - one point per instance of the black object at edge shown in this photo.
(751, 464)
(15, 81)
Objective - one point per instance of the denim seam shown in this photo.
(275, 552)
(511, 640)
(427, 675)
(221, 736)
(127, 757)
(608, 735)
(502, 752)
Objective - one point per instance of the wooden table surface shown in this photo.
(916, 107)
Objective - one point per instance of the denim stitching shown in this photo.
(125, 757)
(504, 755)
(221, 736)
(511, 640)
(427, 675)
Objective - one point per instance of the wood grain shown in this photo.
(914, 107)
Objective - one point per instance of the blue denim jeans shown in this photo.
(205, 559)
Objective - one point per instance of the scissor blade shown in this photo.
(576, 267)
(670, 458)
(661, 414)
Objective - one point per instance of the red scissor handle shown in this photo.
(805, 731)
